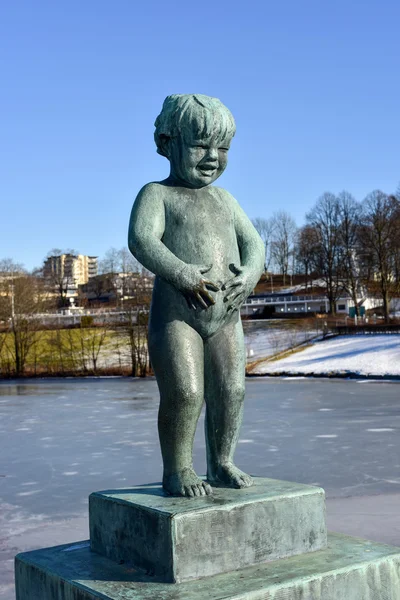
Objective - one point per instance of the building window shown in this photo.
(341, 307)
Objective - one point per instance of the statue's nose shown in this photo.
(212, 154)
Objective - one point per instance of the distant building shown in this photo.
(295, 304)
(7, 276)
(70, 270)
(291, 303)
(114, 287)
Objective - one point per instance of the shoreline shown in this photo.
(279, 374)
(334, 375)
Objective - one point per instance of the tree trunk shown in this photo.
(332, 305)
(18, 361)
(386, 305)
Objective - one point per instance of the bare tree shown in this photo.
(283, 239)
(128, 263)
(116, 270)
(22, 297)
(92, 341)
(324, 218)
(351, 259)
(306, 244)
(110, 263)
(265, 229)
(380, 238)
(128, 266)
(134, 330)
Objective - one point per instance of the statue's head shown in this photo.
(194, 132)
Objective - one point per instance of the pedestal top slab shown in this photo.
(187, 538)
(153, 497)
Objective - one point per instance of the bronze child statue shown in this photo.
(207, 258)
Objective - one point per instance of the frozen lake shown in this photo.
(62, 439)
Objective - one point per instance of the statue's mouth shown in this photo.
(207, 170)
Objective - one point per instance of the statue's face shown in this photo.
(197, 163)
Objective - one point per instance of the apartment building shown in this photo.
(71, 269)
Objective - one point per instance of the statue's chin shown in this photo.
(197, 178)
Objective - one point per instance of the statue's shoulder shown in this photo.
(154, 188)
(224, 195)
(152, 196)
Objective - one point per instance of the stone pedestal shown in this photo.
(267, 542)
(179, 539)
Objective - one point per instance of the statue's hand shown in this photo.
(238, 288)
(195, 288)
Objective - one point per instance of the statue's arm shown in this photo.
(146, 228)
(251, 249)
(251, 246)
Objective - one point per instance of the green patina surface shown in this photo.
(207, 258)
(349, 569)
(180, 539)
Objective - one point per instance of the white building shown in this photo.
(288, 303)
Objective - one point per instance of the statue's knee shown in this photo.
(192, 399)
(188, 396)
(236, 391)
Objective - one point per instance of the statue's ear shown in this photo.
(164, 145)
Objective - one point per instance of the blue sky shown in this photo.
(314, 87)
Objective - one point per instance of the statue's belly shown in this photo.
(168, 304)
(215, 244)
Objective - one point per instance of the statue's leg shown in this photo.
(177, 356)
(225, 361)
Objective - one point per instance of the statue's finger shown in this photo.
(190, 303)
(201, 301)
(231, 282)
(232, 295)
(232, 308)
(212, 286)
(207, 297)
(237, 270)
(234, 284)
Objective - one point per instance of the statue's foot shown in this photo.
(227, 475)
(186, 483)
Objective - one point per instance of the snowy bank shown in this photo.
(367, 355)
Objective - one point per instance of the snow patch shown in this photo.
(375, 356)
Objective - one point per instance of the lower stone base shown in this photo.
(349, 569)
